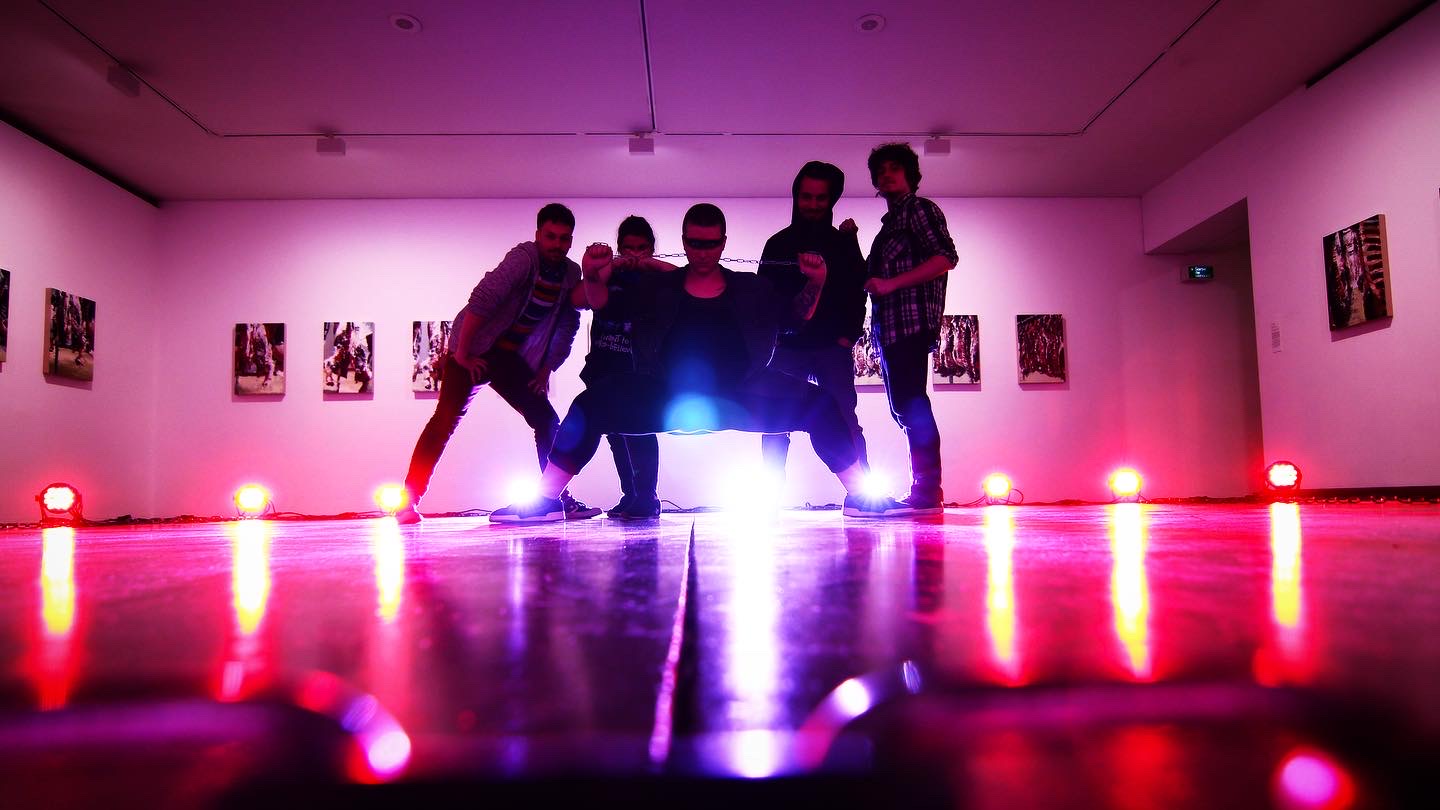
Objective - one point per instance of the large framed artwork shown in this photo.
(1357, 266)
(259, 358)
(427, 347)
(957, 360)
(4, 312)
(1040, 346)
(349, 352)
(865, 355)
(69, 335)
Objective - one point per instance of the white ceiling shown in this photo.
(537, 99)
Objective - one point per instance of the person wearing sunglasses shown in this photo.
(702, 338)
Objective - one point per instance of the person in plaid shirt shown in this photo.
(908, 264)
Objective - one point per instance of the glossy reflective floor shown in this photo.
(1125, 655)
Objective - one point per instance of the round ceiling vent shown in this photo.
(406, 23)
(870, 24)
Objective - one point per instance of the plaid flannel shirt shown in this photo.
(912, 231)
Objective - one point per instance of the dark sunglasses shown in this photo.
(703, 244)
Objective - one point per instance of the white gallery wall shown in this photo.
(1359, 407)
(63, 227)
(1158, 375)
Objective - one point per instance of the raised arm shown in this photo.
(595, 269)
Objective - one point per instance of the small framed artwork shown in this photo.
(1040, 346)
(957, 360)
(1357, 283)
(259, 358)
(428, 343)
(866, 357)
(349, 352)
(4, 312)
(69, 335)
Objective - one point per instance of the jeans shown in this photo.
(510, 376)
(904, 365)
(767, 402)
(833, 369)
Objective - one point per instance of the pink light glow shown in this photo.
(1309, 780)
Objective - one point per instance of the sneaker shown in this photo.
(923, 505)
(625, 501)
(540, 510)
(641, 510)
(576, 509)
(407, 516)
(870, 506)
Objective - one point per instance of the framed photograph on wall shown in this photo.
(428, 343)
(866, 357)
(69, 335)
(259, 358)
(957, 361)
(1040, 347)
(1357, 282)
(349, 352)
(4, 312)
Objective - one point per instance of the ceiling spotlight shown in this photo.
(870, 24)
(123, 80)
(936, 145)
(642, 144)
(405, 23)
(59, 505)
(330, 145)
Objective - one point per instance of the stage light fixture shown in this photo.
(60, 505)
(391, 498)
(1125, 483)
(1282, 476)
(330, 145)
(252, 500)
(642, 144)
(876, 485)
(997, 488)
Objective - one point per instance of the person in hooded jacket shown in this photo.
(818, 350)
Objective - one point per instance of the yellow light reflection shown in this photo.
(388, 548)
(1285, 564)
(1000, 589)
(1129, 588)
(57, 581)
(250, 572)
(752, 668)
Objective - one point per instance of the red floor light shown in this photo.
(1125, 483)
(1282, 476)
(997, 488)
(391, 498)
(252, 500)
(60, 505)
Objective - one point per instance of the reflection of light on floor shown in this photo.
(57, 580)
(1000, 589)
(752, 650)
(1129, 589)
(388, 548)
(57, 616)
(754, 754)
(250, 572)
(1285, 565)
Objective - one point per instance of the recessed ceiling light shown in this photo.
(870, 24)
(406, 23)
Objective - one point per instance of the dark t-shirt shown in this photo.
(705, 351)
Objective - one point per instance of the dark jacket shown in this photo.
(841, 310)
(651, 302)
